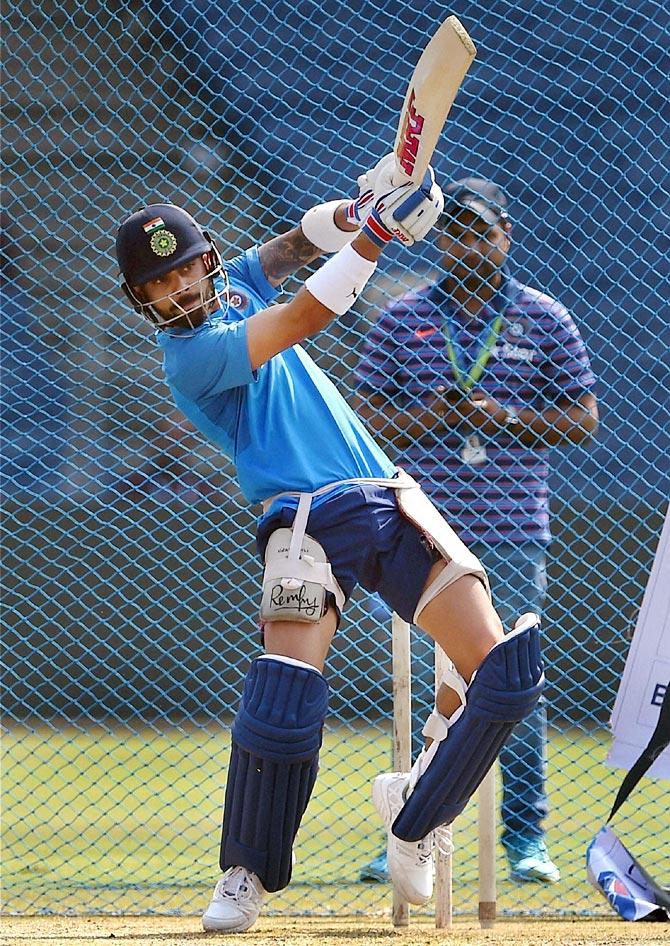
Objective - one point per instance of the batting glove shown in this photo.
(359, 209)
(406, 212)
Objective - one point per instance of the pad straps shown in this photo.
(401, 481)
(437, 726)
(299, 526)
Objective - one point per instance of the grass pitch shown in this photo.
(126, 821)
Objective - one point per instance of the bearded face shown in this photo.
(183, 297)
(474, 254)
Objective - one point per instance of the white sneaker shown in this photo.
(410, 863)
(236, 902)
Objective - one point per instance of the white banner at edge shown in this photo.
(647, 671)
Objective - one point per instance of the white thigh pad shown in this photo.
(295, 585)
(420, 510)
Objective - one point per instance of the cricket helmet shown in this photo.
(155, 240)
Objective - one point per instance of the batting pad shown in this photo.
(504, 690)
(273, 765)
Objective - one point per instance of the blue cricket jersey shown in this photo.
(538, 358)
(285, 425)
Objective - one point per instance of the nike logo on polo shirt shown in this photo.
(426, 332)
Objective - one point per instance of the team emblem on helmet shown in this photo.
(163, 243)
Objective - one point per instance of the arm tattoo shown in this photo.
(286, 254)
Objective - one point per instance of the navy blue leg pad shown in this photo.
(273, 766)
(506, 687)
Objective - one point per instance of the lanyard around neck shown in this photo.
(466, 378)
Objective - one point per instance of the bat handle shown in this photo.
(399, 177)
(413, 201)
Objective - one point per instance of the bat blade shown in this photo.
(435, 82)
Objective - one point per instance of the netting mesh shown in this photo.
(131, 577)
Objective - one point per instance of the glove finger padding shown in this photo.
(381, 174)
(406, 211)
(411, 214)
(359, 209)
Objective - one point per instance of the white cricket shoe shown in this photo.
(410, 863)
(236, 902)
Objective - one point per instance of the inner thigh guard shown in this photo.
(276, 738)
(422, 513)
(504, 691)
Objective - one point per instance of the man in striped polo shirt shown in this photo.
(471, 380)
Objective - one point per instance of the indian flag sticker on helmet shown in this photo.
(153, 225)
(163, 243)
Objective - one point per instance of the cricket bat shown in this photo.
(437, 78)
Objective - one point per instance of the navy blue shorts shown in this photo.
(368, 542)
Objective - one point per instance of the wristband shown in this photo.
(375, 230)
(341, 279)
(318, 225)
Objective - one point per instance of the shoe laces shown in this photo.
(236, 884)
(443, 840)
(440, 839)
(416, 854)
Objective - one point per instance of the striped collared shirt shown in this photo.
(537, 359)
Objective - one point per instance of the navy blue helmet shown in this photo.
(155, 240)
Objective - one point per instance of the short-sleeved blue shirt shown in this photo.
(538, 359)
(285, 425)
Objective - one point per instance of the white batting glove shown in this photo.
(358, 210)
(406, 212)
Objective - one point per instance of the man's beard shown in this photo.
(191, 308)
(195, 308)
(477, 276)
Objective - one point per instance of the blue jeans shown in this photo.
(517, 573)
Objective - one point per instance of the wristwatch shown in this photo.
(512, 417)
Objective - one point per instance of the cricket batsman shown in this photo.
(334, 513)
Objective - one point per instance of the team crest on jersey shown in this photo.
(516, 328)
(238, 300)
(163, 243)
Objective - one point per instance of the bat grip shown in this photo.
(398, 178)
(417, 197)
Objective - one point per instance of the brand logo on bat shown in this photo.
(411, 137)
